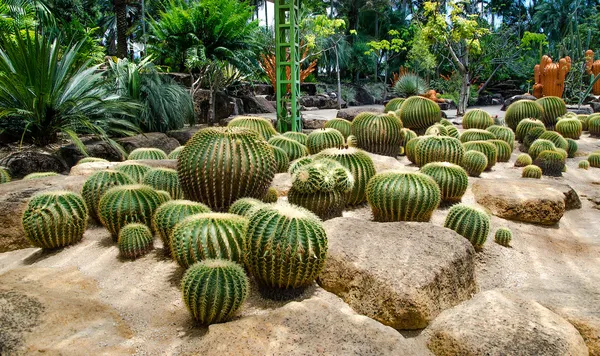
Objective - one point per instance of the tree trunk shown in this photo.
(211, 107)
(120, 7)
(339, 79)
(463, 101)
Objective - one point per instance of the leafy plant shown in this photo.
(410, 85)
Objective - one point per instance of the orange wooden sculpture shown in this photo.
(550, 77)
(593, 67)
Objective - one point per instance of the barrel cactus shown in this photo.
(523, 160)
(554, 107)
(485, 147)
(147, 154)
(272, 196)
(125, 204)
(259, 124)
(242, 166)
(594, 160)
(4, 175)
(98, 184)
(407, 135)
(477, 119)
(531, 137)
(244, 206)
(585, 164)
(451, 179)
(286, 246)
(394, 104)
(503, 133)
(437, 130)
(164, 179)
(504, 150)
(40, 175)
(522, 109)
(570, 128)
(473, 224)
(540, 145)
(438, 149)
(351, 141)
(281, 159)
(91, 160)
(525, 126)
(135, 171)
(503, 236)
(418, 113)
(55, 219)
(552, 163)
(584, 119)
(292, 148)
(343, 126)
(474, 163)
(323, 139)
(170, 214)
(594, 125)
(410, 149)
(379, 134)
(135, 240)
(175, 153)
(299, 163)
(453, 132)
(446, 122)
(532, 171)
(296, 136)
(556, 139)
(214, 290)
(476, 135)
(572, 148)
(400, 196)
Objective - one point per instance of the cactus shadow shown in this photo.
(194, 330)
(270, 299)
(40, 255)
(176, 276)
(107, 242)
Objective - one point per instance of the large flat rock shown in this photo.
(529, 200)
(499, 322)
(401, 274)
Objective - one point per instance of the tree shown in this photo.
(386, 50)
(120, 7)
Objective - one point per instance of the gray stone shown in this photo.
(23, 163)
(350, 113)
(149, 140)
(94, 148)
(282, 183)
(263, 89)
(184, 135)
(514, 98)
(257, 105)
(313, 122)
(583, 109)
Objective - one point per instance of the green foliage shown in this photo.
(474, 163)
(244, 206)
(272, 196)
(398, 196)
(91, 160)
(419, 113)
(527, 125)
(503, 236)
(572, 148)
(153, 154)
(214, 290)
(55, 219)
(570, 128)
(471, 223)
(4, 176)
(98, 184)
(540, 145)
(136, 171)
(523, 160)
(343, 126)
(175, 153)
(296, 136)
(476, 135)
(379, 134)
(170, 214)
(281, 159)
(164, 179)
(477, 119)
(451, 179)
(485, 147)
(504, 150)
(594, 125)
(520, 110)
(552, 163)
(410, 85)
(323, 139)
(293, 148)
(438, 149)
(594, 160)
(532, 171)
(585, 164)
(394, 105)
(261, 125)
(135, 240)
(554, 107)
(503, 133)
(39, 175)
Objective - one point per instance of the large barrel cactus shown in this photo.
(540, 145)
(135, 240)
(394, 105)
(503, 236)
(296, 136)
(220, 165)
(554, 107)
(170, 214)
(164, 179)
(532, 171)
(556, 139)
(281, 159)
(400, 196)
(476, 135)
(286, 246)
(438, 149)
(522, 109)
(594, 160)
(323, 139)
(244, 206)
(98, 184)
(477, 119)
(135, 171)
(175, 153)
(418, 113)
(485, 147)
(504, 150)
(379, 134)
(451, 178)
(4, 175)
(570, 128)
(261, 125)
(214, 290)
(474, 163)
(55, 219)
(453, 132)
(525, 126)
(552, 163)
(473, 224)
(291, 147)
(594, 125)
(523, 160)
(343, 126)
(147, 154)
(503, 133)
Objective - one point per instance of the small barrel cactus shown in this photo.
(555, 138)
(170, 214)
(40, 175)
(438, 149)
(523, 160)
(503, 133)
(214, 290)
(343, 126)
(594, 125)
(135, 171)
(570, 128)
(410, 149)
(55, 219)
(4, 175)
(296, 136)
(351, 141)
(242, 166)
(525, 126)
(585, 164)
(520, 110)
(485, 147)
(323, 139)
(453, 132)
(207, 236)
(407, 135)
(477, 119)
(394, 104)
(164, 179)
(91, 160)
(244, 206)
(175, 153)
(135, 240)
(476, 135)
(540, 145)
(147, 154)
(554, 107)
(473, 224)
(98, 184)
(292, 148)
(584, 121)
(379, 134)
(552, 163)
(504, 150)
(437, 130)
(532, 171)
(259, 124)
(418, 113)
(281, 159)
(451, 179)
(400, 196)
(272, 196)
(474, 163)
(572, 148)
(531, 137)
(503, 236)
(286, 246)
(594, 160)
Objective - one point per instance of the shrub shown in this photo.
(419, 113)
(170, 214)
(343, 126)
(472, 224)
(503, 236)
(135, 171)
(293, 148)
(379, 134)
(554, 107)
(135, 240)
(164, 179)
(477, 119)
(410, 85)
(154, 154)
(451, 179)
(438, 149)
(261, 125)
(323, 139)
(520, 110)
(474, 163)
(98, 184)
(532, 171)
(523, 160)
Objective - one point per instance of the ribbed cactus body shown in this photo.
(419, 113)
(343, 126)
(296, 136)
(147, 154)
(584, 121)
(477, 119)
(281, 159)
(98, 184)
(552, 163)
(323, 139)
(4, 175)
(135, 240)
(438, 149)
(399, 196)
(379, 134)
(532, 171)
(326, 205)
(40, 175)
(263, 126)
(272, 196)
(594, 125)
(351, 141)
(135, 171)
(410, 149)
(503, 133)
(540, 145)
(286, 246)
(244, 206)
(472, 224)
(504, 150)
(503, 236)
(446, 122)
(437, 130)
(585, 164)
(214, 290)
(91, 160)
(523, 160)
(485, 147)
(55, 219)
(554, 107)
(407, 135)
(556, 139)
(570, 128)
(292, 148)
(451, 179)
(594, 160)
(220, 165)
(572, 148)
(164, 179)
(476, 135)
(125, 204)
(175, 153)
(525, 126)
(531, 137)
(453, 131)
(474, 163)
(170, 214)
(522, 109)
(299, 163)
(394, 104)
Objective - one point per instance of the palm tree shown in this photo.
(120, 7)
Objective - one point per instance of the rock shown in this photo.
(533, 201)
(595, 106)
(363, 97)
(183, 136)
(514, 98)
(350, 114)
(282, 183)
(313, 121)
(13, 200)
(184, 79)
(23, 163)
(498, 322)
(320, 325)
(320, 101)
(263, 89)
(87, 169)
(385, 163)
(152, 140)
(95, 148)
(225, 106)
(308, 88)
(583, 109)
(257, 105)
(401, 274)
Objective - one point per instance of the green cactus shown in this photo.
(91, 160)
(552, 163)
(532, 171)
(523, 160)
(437, 130)
(299, 163)
(379, 134)
(244, 206)
(125, 204)
(446, 122)
(554, 107)
(570, 128)
(170, 214)
(323, 139)
(286, 246)
(504, 150)
(135, 240)
(394, 105)
(594, 125)
(292, 148)
(407, 135)
(175, 153)
(525, 126)
(594, 160)
(540, 145)
(503, 133)
(272, 196)
(281, 159)
(164, 179)
(477, 119)
(214, 290)
(476, 135)
(98, 184)
(473, 224)
(556, 139)
(4, 175)
(410, 149)
(451, 179)
(474, 163)
(485, 147)
(400, 196)
(351, 141)
(40, 175)
(164, 196)
(438, 149)
(135, 171)
(55, 219)
(343, 126)
(531, 137)
(520, 110)
(585, 164)
(259, 124)
(572, 148)
(147, 154)
(453, 132)
(503, 236)
(207, 236)
(242, 166)
(584, 121)
(296, 136)
(418, 113)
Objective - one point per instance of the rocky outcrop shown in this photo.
(152, 139)
(514, 98)
(184, 135)
(350, 113)
(23, 163)
(321, 101)
(313, 122)
(94, 148)
(257, 105)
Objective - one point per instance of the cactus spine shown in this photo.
(263, 126)
(552, 163)
(523, 109)
(570, 128)
(531, 137)
(532, 171)
(394, 105)
(523, 160)
(351, 141)
(292, 148)
(407, 135)
(451, 179)
(296, 136)
(472, 224)
(453, 132)
(135, 240)
(554, 107)
(503, 133)
(281, 159)
(379, 134)
(525, 126)
(154, 154)
(503, 236)
(323, 139)
(474, 163)
(418, 113)
(438, 149)
(343, 126)
(485, 147)
(4, 175)
(164, 179)
(244, 206)
(170, 214)
(476, 135)
(437, 130)
(40, 175)
(504, 150)
(411, 148)
(98, 184)
(572, 148)
(175, 153)
(477, 119)
(135, 171)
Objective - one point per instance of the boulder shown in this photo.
(183, 136)
(350, 114)
(263, 89)
(498, 322)
(363, 97)
(313, 121)
(95, 148)
(514, 98)
(401, 274)
(257, 105)
(386, 163)
(308, 88)
(23, 163)
(224, 105)
(583, 109)
(87, 169)
(528, 200)
(151, 140)
(321, 101)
